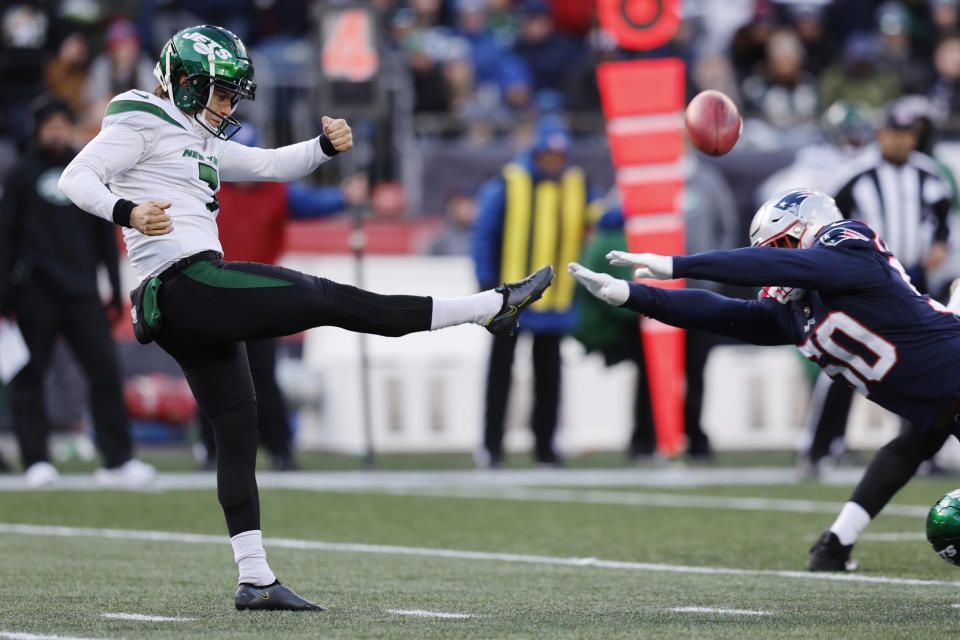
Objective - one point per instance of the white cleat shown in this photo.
(41, 474)
(132, 473)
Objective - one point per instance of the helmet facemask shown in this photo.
(792, 219)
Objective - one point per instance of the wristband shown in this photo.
(121, 212)
(326, 146)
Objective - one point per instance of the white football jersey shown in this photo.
(150, 150)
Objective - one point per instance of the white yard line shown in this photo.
(143, 618)
(650, 499)
(739, 612)
(672, 476)
(18, 635)
(346, 547)
(895, 537)
(428, 614)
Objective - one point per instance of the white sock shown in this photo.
(251, 558)
(477, 309)
(851, 522)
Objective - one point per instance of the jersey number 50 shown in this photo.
(856, 369)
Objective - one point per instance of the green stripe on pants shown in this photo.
(217, 276)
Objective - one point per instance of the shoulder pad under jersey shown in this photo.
(141, 110)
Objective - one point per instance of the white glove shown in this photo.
(602, 285)
(648, 265)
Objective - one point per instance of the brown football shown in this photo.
(712, 122)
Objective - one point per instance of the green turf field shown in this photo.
(546, 562)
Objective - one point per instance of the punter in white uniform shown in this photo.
(155, 169)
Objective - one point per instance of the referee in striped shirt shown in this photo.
(900, 193)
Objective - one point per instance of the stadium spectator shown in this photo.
(484, 49)
(749, 42)
(858, 76)
(66, 74)
(533, 212)
(120, 67)
(807, 19)
(945, 90)
(48, 278)
(943, 20)
(893, 24)
(27, 43)
(460, 211)
(251, 223)
(548, 54)
(503, 21)
(781, 92)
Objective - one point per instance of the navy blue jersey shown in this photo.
(858, 318)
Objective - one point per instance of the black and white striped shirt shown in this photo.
(907, 205)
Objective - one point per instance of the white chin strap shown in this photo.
(212, 63)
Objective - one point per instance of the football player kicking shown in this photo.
(155, 169)
(844, 300)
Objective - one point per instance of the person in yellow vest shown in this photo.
(533, 212)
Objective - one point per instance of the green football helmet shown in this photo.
(208, 57)
(943, 527)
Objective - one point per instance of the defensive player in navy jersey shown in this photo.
(845, 301)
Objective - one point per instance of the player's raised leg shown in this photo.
(268, 301)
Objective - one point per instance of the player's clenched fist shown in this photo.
(150, 218)
(338, 132)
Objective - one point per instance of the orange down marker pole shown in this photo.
(643, 101)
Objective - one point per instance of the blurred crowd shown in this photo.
(478, 68)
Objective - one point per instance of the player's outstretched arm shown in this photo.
(820, 267)
(646, 265)
(756, 322)
(239, 163)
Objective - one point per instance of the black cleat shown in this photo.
(827, 554)
(517, 296)
(275, 597)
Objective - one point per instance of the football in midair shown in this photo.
(712, 122)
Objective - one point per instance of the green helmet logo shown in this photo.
(197, 60)
(943, 527)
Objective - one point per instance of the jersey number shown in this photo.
(209, 175)
(855, 368)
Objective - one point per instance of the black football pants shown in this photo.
(211, 307)
(43, 315)
(546, 394)
(273, 426)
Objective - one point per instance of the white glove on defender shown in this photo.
(648, 265)
(602, 285)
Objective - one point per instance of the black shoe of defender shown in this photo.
(827, 554)
(276, 597)
(517, 296)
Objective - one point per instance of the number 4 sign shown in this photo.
(348, 50)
